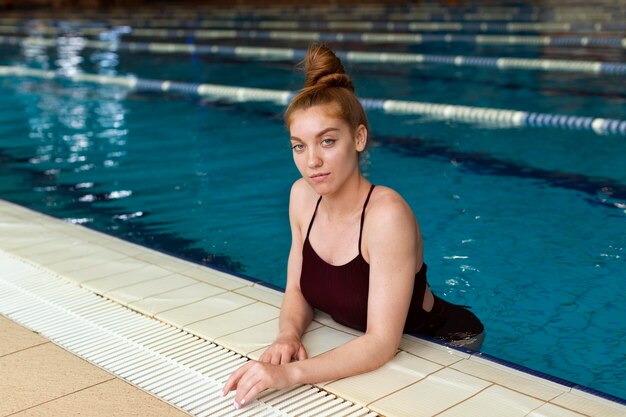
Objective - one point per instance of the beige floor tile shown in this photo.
(551, 410)
(430, 396)
(124, 279)
(261, 293)
(507, 377)
(404, 370)
(234, 321)
(204, 309)
(61, 253)
(60, 243)
(11, 267)
(495, 401)
(102, 256)
(107, 269)
(27, 238)
(15, 337)
(43, 373)
(142, 290)
(252, 342)
(217, 278)
(431, 351)
(110, 398)
(588, 405)
(176, 298)
(324, 339)
(118, 245)
(165, 261)
(254, 339)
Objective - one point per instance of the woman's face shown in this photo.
(325, 149)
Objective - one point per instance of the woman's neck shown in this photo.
(348, 200)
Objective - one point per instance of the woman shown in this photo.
(356, 250)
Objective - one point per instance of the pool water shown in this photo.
(526, 226)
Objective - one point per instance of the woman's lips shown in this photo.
(319, 177)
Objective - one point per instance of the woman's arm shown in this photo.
(391, 243)
(295, 312)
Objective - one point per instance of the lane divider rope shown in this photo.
(407, 38)
(469, 114)
(292, 54)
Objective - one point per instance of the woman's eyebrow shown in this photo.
(322, 133)
(328, 129)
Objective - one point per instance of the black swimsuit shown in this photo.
(342, 292)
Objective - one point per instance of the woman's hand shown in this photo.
(283, 351)
(255, 377)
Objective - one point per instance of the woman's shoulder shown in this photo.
(388, 207)
(302, 198)
(385, 198)
(302, 192)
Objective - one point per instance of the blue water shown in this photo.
(527, 226)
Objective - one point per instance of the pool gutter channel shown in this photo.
(175, 364)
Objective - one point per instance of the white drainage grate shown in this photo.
(174, 365)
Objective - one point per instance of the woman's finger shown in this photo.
(266, 356)
(302, 355)
(234, 378)
(250, 394)
(276, 355)
(286, 357)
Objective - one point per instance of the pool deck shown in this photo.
(425, 378)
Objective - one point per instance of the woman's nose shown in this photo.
(314, 160)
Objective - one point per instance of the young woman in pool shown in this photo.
(356, 250)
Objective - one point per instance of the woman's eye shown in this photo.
(297, 147)
(328, 142)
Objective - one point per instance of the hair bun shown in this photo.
(324, 69)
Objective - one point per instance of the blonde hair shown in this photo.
(327, 82)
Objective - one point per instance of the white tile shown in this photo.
(551, 410)
(234, 321)
(106, 269)
(124, 279)
(103, 256)
(511, 378)
(431, 395)
(165, 261)
(176, 298)
(495, 401)
(204, 309)
(589, 405)
(431, 351)
(404, 370)
(324, 339)
(119, 245)
(253, 341)
(10, 267)
(142, 290)
(215, 277)
(261, 293)
(60, 243)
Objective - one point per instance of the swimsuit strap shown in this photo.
(363, 217)
(313, 218)
(308, 232)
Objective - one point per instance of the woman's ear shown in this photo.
(361, 138)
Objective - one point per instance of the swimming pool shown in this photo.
(525, 225)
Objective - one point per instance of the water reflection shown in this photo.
(76, 128)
